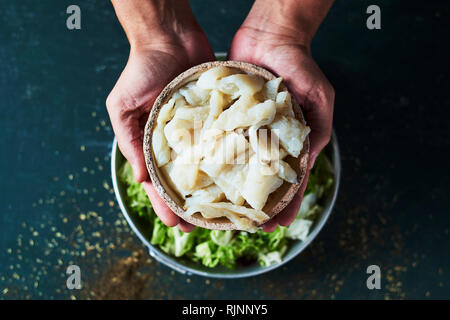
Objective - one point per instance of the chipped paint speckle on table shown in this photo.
(391, 118)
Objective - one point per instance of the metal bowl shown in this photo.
(142, 228)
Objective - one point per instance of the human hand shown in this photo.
(265, 40)
(156, 57)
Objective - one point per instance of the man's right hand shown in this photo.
(155, 59)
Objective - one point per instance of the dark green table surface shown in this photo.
(391, 116)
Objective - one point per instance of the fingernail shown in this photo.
(312, 160)
(135, 173)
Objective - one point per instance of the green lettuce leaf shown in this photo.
(299, 229)
(221, 238)
(270, 258)
(138, 201)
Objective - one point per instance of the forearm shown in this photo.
(147, 21)
(296, 19)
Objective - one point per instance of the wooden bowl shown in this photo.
(277, 200)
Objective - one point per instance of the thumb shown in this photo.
(317, 106)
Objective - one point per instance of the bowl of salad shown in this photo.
(232, 253)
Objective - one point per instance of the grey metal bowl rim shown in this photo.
(172, 263)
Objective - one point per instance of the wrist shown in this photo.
(149, 22)
(292, 21)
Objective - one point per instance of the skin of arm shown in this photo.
(154, 21)
(277, 35)
(164, 41)
(295, 19)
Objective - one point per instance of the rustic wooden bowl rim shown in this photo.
(154, 172)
